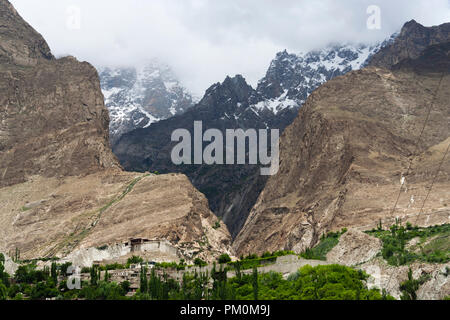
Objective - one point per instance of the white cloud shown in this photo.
(205, 40)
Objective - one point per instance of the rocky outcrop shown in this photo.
(354, 247)
(10, 266)
(436, 284)
(61, 188)
(361, 251)
(346, 157)
(413, 39)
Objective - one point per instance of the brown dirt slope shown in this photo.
(47, 217)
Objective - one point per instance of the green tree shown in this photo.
(4, 277)
(143, 280)
(255, 283)
(134, 260)
(54, 272)
(125, 286)
(94, 275)
(409, 287)
(106, 279)
(3, 292)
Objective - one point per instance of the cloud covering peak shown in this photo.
(205, 40)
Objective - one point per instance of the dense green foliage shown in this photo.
(33, 283)
(433, 246)
(216, 225)
(172, 265)
(224, 258)
(134, 260)
(4, 279)
(331, 282)
(200, 263)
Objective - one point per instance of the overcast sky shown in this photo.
(205, 40)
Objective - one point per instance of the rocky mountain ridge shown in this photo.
(412, 40)
(296, 76)
(36, 138)
(344, 159)
(137, 97)
(61, 187)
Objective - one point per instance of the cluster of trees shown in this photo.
(330, 282)
(29, 282)
(325, 282)
(394, 240)
(309, 283)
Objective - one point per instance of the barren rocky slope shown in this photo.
(359, 250)
(343, 158)
(61, 188)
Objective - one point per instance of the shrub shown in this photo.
(134, 260)
(216, 225)
(125, 286)
(224, 258)
(3, 292)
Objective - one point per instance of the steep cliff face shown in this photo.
(344, 156)
(52, 116)
(61, 188)
(53, 121)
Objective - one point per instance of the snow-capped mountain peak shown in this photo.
(138, 97)
(291, 78)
